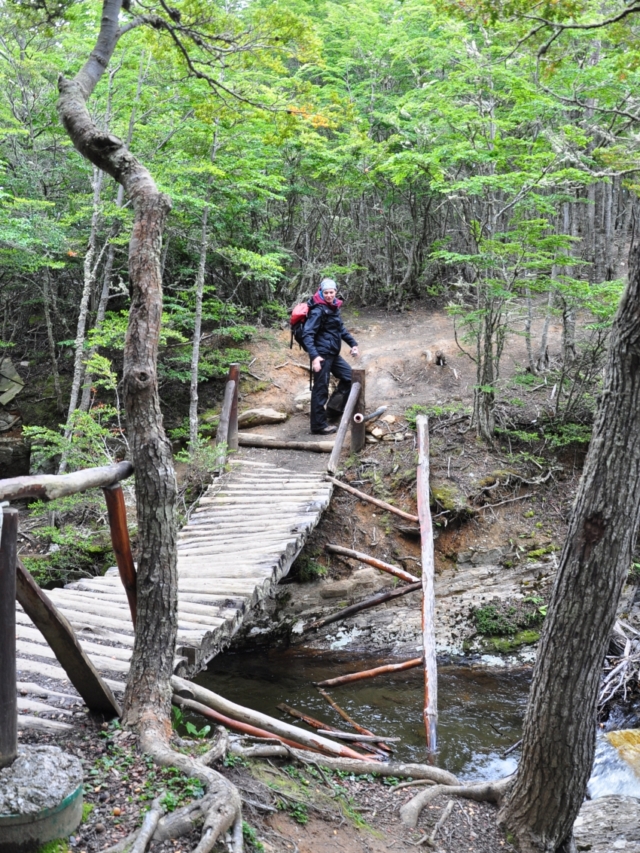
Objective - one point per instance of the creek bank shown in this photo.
(395, 627)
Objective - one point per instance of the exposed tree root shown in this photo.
(223, 802)
(443, 778)
(491, 792)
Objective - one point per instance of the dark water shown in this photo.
(480, 710)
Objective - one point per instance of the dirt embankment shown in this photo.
(499, 512)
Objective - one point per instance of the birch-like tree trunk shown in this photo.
(148, 694)
(560, 722)
(46, 302)
(89, 268)
(197, 330)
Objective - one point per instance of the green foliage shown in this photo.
(178, 721)
(250, 837)
(306, 569)
(567, 435)
(60, 845)
(431, 412)
(634, 574)
(506, 619)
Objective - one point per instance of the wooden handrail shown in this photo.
(48, 487)
(428, 586)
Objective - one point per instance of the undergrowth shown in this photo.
(506, 618)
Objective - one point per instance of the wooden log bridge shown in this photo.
(241, 540)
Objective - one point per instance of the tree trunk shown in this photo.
(560, 723)
(90, 269)
(148, 694)
(197, 328)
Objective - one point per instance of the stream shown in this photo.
(480, 709)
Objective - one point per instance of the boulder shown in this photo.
(15, 456)
(259, 417)
(608, 824)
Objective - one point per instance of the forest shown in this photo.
(176, 177)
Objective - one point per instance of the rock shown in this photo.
(397, 436)
(259, 417)
(15, 455)
(388, 419)
(40, 778)
(370, 439)
(303, 397)
(447, 496)
(608, 824)
(377, 432)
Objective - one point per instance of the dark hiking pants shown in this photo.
(332, 364)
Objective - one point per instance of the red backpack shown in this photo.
(297, 321)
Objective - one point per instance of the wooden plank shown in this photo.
(57, 673)
(42, 650)
(25, 633)
(60, 636)
(98, 632)
(428, 586)
(40, 707)
(30, 687)
(26, 721)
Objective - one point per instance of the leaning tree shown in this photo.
(147, 701)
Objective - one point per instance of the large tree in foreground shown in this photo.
(560, 723)
(147, 700)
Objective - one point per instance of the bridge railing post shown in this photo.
(117, 513)
(358, 426)
(232, 440)
(8, 691)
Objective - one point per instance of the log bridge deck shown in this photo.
(241, 540)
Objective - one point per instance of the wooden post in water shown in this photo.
(428, 586)
(8, 695)
(117, 513)
(232, 440)
(358, 427)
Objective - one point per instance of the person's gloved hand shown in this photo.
(354, 352)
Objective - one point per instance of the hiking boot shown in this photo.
(325, 430)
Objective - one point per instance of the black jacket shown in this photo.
(324, 331)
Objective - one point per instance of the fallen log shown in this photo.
(371, 673)
(428, 587)
(48, 487)
(192, 691)
(325, 728)
(365, 497)
(388, 768)
(353, 736)
(342, 713)
(57, 631)
(277, 444)
(387, 595)
(235, 725)
(371, 561)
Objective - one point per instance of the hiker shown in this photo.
(322, 335)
